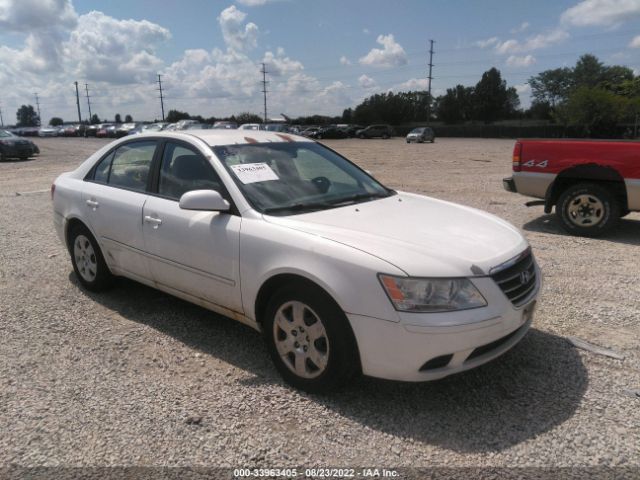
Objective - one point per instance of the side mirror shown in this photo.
(207, 200)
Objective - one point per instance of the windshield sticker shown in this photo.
(254, 172)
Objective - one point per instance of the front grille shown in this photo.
(517, 280)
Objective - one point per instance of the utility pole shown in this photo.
(264, 89)
(38, 105)
(86, 87)
(78, 102)
(430, 77)
(161, 97)
(1, 120)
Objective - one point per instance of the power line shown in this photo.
(78, 102)
(430, 78)
(86, 87)
(38, 105)
(264, 90)
(161, 97)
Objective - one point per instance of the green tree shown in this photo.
(552, 86)
(588, 72)
(456, 105)
(598, 111)
(95, 119)
(175, 116)
(56, 121)
(118, 118)
(27, 116)
(492, 99)
(248, 117)
(128, 118)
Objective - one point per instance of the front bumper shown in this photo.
(509, 185)
(423, 347)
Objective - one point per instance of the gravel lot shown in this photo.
(137, 377)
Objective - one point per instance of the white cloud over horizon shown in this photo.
(391, 55)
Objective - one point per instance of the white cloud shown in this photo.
(279, 64)
(102, 48)
(601, 12)
(521, 28)
(236, 34)
(521, 61)
(534, 42)
(487, 42)
(635, 42)
(366, 82)
(412, 84)
(391, 55)
(29, 15)
(365, 31)
(523, 89)
(253, 3)
(344, 60)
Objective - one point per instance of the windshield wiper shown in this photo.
(358, 196)
(297, 207)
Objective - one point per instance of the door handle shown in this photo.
(153, 220)
(93, 204)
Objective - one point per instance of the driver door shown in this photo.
(195, 252)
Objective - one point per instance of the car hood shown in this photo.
(422, 236)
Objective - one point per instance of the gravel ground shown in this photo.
(137, 377)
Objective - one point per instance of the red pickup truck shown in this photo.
(592, 183)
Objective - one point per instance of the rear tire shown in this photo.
(87, 260)
(309, 339)
(588, 210)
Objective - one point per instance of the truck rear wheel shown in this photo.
(588, 210)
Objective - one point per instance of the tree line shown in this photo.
(593, 96)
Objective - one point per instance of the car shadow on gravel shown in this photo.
(531, 389)
(627, 231)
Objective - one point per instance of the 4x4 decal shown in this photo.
(532, 163)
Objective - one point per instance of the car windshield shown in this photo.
(4, 133)
(297, 177)
(417, 130)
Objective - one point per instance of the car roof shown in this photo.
(216, 138)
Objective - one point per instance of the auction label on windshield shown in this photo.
(254, 172)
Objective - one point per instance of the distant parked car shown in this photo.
(373, 131)
(106, 130)
(277, 127)
(124, 129)
(223, 125)
(198, 126)
(309, 131)
(421, 135)
(329, 132)
(12, 146)
(251, 126)
(48, 131)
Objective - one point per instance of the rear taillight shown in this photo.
(517, 157)
(53, 189)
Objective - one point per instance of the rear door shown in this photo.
(113, 197)
(195, 252)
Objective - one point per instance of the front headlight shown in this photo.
(431, 294)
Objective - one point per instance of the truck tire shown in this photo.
(588, 210)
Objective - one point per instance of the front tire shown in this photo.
(309, 339)
(87, 260)
(588, 210)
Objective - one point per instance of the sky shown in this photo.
(321, 56)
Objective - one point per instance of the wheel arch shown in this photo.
(608, 177)
(279, 280)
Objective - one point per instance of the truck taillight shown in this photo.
(517, 156)
(53, 189)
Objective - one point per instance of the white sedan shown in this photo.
(341, 274)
